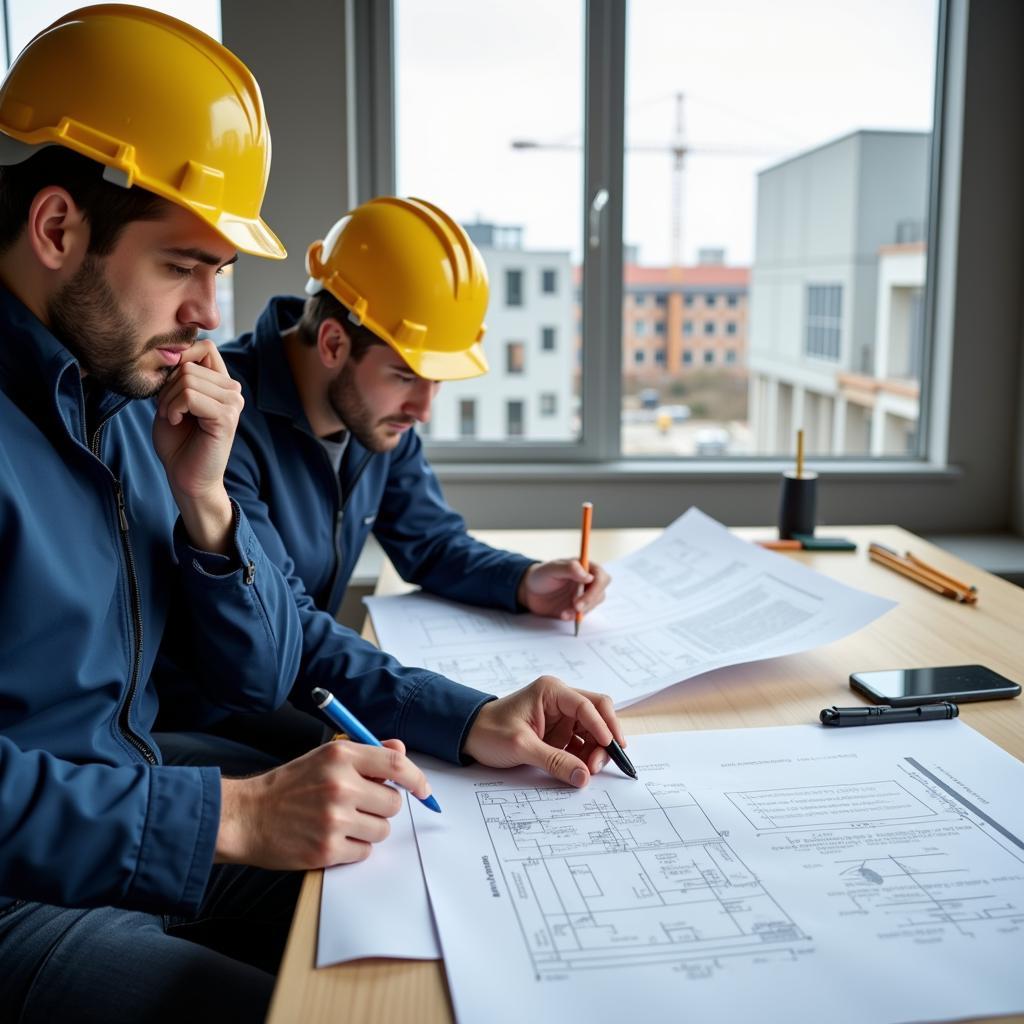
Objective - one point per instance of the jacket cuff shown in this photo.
(209, 562)
(178, 839)
(506, 579)
(437, 716)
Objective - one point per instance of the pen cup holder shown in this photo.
(798, 504)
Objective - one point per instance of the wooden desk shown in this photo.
(925, 629)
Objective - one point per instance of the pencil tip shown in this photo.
(576, 628)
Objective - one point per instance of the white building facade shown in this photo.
(836, 296)
(528, 393)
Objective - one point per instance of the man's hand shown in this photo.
(547, 725)
(197, 414)
(327, 807)
(554, 588)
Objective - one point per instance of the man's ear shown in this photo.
(332, 344)
(57, 229)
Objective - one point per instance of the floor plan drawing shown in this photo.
(748, 874)
(609, 884)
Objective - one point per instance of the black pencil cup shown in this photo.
(798, 504)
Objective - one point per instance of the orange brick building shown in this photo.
(677, 320)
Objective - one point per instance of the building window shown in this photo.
(710, 299)
(638, 356)
(709, 356)
(641, 299)
(709, 327)
(730, 327)
(515, 358)
(547, 339)
(659, 327)
(659, 357)
(548, 404)
(824, 320)
(732, 300)
(467, 417)
(639, 328)
(730, 355)
(514, 418)
(549, 282)
(687, 357)
(513, 287)
(687, 327)
(687, 300)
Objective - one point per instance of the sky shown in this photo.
(767, 79)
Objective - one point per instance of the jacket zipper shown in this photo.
(136, 602)
(341, 503)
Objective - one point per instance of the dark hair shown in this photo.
(107, 207)
(324, 306)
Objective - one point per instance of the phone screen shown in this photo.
(925, 685)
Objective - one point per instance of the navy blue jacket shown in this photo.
(96, 572)
(314, 524)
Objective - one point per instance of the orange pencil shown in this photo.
(951, 580)
(897, 564)
(588, 513)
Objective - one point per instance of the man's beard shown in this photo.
(347, 403)
(85, 316)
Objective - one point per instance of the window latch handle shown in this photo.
(597, 205)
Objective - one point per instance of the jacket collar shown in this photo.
(34, 364)
(275, 386)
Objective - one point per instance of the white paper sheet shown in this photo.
(695, 599)
(379, 906)
(860, 876)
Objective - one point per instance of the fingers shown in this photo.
(583, 708)
(202, 392)
(387, 763)
(204, 353)
(561, 764)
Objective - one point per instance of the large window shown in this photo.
(714, 168)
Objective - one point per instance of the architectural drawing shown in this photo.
(609, 884)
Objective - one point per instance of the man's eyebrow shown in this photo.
(200, 256)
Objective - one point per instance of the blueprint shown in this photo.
(695, 599)
(866, 875)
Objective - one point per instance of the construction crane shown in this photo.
(679, 149)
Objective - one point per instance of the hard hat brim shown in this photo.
(445, 365)
(253, 237)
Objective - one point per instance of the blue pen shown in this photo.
(354, 729)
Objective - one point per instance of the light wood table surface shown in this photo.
(924, 629)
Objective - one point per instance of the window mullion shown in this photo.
(604, 102)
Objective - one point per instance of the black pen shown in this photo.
(623, 763)
(884, 713)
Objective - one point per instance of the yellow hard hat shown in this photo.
(159, 103)
(412, 275)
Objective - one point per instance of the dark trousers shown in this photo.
(107, 965)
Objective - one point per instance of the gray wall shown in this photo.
(296, 52)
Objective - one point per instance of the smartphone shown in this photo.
(909, 686)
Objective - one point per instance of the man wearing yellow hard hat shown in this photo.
(134, 155)
(326, 454)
